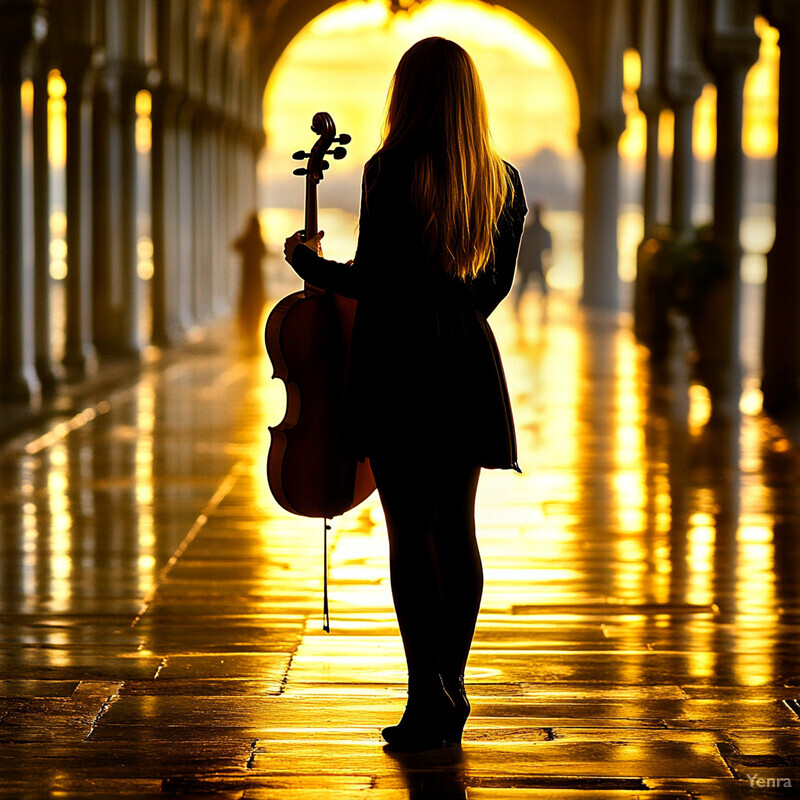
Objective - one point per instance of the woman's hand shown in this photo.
(312, 244)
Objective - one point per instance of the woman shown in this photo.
(440, 224)
(252, 294)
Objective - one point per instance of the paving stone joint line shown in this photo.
(109, 701)
(228, 482)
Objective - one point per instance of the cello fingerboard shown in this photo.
(311, 223)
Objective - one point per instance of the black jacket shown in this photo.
(425, 372)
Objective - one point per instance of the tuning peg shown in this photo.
(300, 171)
(299, 155)
(338, 152)
(343, 138)
(325, 165)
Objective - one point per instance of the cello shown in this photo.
(308, 337)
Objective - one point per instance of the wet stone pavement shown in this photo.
(160, 616)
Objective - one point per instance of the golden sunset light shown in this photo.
(345, 58)
(531, 94)
(666, 133)
(760, 133)
(760, 128)
(343, 61)
(632, 141)
(56, 119)
(26, 98)
(144, 126)
(704, 132)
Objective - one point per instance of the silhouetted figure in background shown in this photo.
(252, 294)
(427, 402)
(536, 241)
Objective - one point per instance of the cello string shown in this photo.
(326, 622)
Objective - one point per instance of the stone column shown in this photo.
(683, 164)
(230, 208)
(80, 356)
(650, 193)
(598, 142)
(781, 382)
(107, 190)
(239, 149)
(650, 30)
(213, 216)
(168, 292)
(243, 159)
(201, 273)
(45, 368)
(259, 141)
(129, 343)
(221, 214)
(188, 184)
(684, 76)
(602, 123)
(646, 299)
(129, 43)
(23, 27)
(117, 302)
(732, 53)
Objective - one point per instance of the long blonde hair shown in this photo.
(437, 109)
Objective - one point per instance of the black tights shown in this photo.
(435, 565)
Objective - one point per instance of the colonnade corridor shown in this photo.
(160, 615)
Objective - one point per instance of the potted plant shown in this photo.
(676, 274)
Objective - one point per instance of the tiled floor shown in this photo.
(160, 616)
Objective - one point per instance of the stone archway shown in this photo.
(591, 39)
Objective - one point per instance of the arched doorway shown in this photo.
(342, 62)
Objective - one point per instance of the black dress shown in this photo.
(425, 374)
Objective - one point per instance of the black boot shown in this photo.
(428, 720)
(458, 694)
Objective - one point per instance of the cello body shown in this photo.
(308, 337)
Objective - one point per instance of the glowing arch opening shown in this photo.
(342, 62)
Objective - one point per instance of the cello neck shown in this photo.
(311, 227)
(323, 126)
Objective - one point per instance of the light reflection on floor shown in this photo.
(641, 577)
